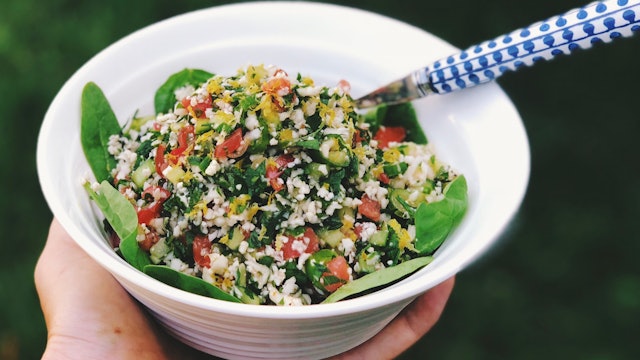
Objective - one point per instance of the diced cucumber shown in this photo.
(396, 204)
(367, 260)
(393, 170)
(143, 172)
(202, 126)
(333, 238)
(403, 203)
(379, 238)
(241, 275)
(236, 238)
(175, 174)
(248, 297)
(346, 211)
(317, 171)
(158, 251)
(334, 151)
(339, 158)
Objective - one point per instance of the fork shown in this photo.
(579, 28)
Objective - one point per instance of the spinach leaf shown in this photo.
(403, 115)
(122, 217)
(378, 278)
(434, 221)
(165, 98)
(187, 283)
(97, 124)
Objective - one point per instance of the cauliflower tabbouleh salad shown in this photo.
(274, 189)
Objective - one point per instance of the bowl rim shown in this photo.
(409, 289)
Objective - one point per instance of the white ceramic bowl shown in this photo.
(478, 131)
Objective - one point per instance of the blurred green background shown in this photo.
(563, 282)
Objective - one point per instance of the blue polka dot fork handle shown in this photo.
(576, 29)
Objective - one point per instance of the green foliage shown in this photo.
(378, 278)
(122, 217)
(434, 221)
(165, 98)
(186, 282)
(98, 123)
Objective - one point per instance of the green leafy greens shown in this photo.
(434, 221)
(186, 282)
(165, 97)
(122, 217)
(403, 115)
(378, 278)
(97, 124)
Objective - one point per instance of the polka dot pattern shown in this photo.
(598, 22)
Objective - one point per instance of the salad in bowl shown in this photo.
(266, 188)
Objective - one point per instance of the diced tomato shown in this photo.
(232, 147)
(148, 213)
(156, 126)
(389, 134)
(338, 268)
(185, 138)
(156, 193)
(369, 208)
(201, 250)
(384, 178)
(279, 86)
(289, 251)
(284, 160)
(344, 85)
(150, 238)
(160, 161)
(156, 196)
(200, 107)
(273, 175)
(274, 171)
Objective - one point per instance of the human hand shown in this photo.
(90, 316)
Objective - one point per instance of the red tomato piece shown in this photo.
(148, 213)
(284, 160)
(384, 178)
(273, 175)
(232, 147)
(369, 208)
(185, 138)
(279, 86)
(389, 134)
(157, 193)
(160, 161)
(338, 268)
(274, 171)
(200, 108)
(345, 86)
(150, 238)
(156, 196)
(201, 250)
(290, 249)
